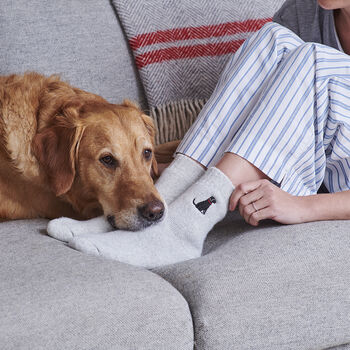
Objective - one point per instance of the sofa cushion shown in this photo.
(271, 287)
(53, 297)
(80, 40)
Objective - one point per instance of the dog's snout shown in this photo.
(152, 211)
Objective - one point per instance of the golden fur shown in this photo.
(53, 138)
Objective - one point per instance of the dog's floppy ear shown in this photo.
(55, 147)
(155, 170)
(148, 121)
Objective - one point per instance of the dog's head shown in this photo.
(96, 152)
(212, 199)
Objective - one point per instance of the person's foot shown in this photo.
(180, 236)
(176, 178)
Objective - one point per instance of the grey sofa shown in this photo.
(271, 287)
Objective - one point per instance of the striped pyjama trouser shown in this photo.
(283, 105)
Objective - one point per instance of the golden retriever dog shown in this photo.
(67, 152)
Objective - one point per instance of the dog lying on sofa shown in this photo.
(67, 152)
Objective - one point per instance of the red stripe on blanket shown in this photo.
(171, 35)
(174, 53)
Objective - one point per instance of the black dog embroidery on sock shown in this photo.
(204, 205)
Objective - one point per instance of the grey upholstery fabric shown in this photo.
(78, 39)
(272, 287)
(340, 347)
(52, 297)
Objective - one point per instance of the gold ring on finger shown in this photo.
(254, 206)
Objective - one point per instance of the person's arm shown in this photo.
(259, 200)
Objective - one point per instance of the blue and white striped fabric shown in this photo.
(283, 105)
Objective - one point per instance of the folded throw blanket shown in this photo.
(180, 48)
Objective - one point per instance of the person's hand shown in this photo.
(259, 200)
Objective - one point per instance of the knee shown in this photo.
(274, 30)
(278, 34)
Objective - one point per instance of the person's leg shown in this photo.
(230, 163)
(290, 134)
(299, 134)
(237, 93)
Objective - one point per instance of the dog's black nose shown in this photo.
(152, 211)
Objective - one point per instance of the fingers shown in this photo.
(251, 197)
(246, 210)
(254, 201)
(259, 215)
(243, 190)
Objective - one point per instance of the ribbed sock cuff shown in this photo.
(218, 181)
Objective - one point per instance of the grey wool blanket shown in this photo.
(180, 48)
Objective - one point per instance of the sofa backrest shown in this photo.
(79, 39)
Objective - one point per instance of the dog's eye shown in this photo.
(109, 161)
(147, 153)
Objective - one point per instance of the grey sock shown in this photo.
(65, 229)
(175, 179)
(178, 237)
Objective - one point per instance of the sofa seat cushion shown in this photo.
(53, 297)
(271, 287)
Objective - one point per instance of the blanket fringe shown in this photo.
(173, 119)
